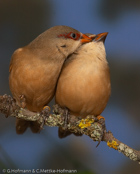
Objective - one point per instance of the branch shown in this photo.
(89, 126)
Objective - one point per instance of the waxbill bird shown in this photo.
(35, 68)
(84, 83)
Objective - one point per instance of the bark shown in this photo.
(91, 126)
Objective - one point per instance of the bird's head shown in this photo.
(67, 39)
(63, 38)
(95, 48)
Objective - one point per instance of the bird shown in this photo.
(34, 69)
(84, 85)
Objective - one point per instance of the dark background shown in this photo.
(20, 22)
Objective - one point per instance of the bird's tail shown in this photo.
(22, 125)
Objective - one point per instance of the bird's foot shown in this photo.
(99, 117)
(66, 118)
(101, 120)
(45, 114)
(63, 131)
(22, 100)
(58, 110)
(8, 104)
(47, 107)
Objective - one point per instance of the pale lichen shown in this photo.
(127, 151)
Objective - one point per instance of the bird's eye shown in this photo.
(71, 35)
(75, 36)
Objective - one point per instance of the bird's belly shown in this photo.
(34, 85)
(84, 93)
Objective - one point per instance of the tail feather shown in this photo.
(22, 125)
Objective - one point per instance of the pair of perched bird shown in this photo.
(64, 63)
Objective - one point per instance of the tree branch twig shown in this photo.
(89, 126)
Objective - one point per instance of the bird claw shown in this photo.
(99, 117)
(10, 103)
(45, 114)
(63, 130)
(66, 118)
(101, 120)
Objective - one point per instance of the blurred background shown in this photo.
(20, 22)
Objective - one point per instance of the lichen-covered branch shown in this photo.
(89, 126)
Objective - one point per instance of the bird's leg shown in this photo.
(62, 111)
(63, 131)
(66, 118)
(8, 104)
(22, 101)
(37, 126)
(101, 120)
(44, 113)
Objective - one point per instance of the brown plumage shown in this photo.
(35, 68)
(84, 83)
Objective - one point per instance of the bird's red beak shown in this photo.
(100, 37)
(85, 39)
